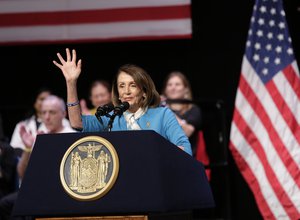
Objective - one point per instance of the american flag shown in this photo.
(46, 21)
(265, 131)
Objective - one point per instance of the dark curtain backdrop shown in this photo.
(211, 60)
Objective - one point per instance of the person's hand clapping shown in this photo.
(27, 138)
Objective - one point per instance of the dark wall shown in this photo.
(211, 60)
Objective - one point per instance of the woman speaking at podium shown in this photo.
(135, 101)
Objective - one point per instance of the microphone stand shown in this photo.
(104, 111)
(111, 120)
(117, 111)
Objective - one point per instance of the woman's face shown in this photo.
(100, 95)
(129, 91)
(175, 88)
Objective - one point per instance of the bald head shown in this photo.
(53, 113)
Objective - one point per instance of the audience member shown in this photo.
(177, 95)
(99, 95)
(33, 123)
(53, 112)
(133, 85)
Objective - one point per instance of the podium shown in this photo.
(154, 176)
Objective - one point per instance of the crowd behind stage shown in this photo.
(51, 114)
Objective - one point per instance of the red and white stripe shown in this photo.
(93, 20)
(265, 139)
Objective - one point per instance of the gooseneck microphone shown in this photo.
(118, 110)
(104, 110)
(121, 108)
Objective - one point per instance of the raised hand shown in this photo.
(69, 67)
(71, 70)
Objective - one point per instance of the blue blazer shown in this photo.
(160, 119)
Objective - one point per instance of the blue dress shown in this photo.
(160, 119)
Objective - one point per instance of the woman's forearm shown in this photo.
(74, 111)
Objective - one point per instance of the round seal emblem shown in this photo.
(89, 168)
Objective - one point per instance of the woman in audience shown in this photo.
(100, 94)
(177, 95)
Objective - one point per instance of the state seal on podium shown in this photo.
(89, 168)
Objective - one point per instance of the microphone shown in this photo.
(104, 109)
(118, 110)
(121, 108)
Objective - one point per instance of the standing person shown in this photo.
(99, 95)
(177, 95)
(53, 112)
(133, 85)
